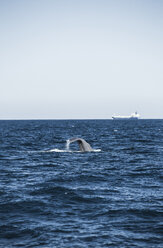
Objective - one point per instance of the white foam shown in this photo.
(67, 150)
(96, 150)
(67, 145)
(56, 150)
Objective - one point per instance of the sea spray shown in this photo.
(68, 144)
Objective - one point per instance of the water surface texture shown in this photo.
(52, 196)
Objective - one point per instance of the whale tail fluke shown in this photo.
(83, 145)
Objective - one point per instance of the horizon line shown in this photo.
(30, 119)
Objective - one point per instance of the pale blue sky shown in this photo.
(81, 59)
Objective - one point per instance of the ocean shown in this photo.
(52, 195)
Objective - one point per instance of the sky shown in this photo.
(81, 59)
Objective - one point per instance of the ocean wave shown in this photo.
(52, 196)
(65, 194)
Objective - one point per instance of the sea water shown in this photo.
(55, 196)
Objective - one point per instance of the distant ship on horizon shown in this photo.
(133, 116)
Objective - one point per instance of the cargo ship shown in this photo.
(134, 116)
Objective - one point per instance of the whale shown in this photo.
(83, 145)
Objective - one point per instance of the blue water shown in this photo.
(52, 197)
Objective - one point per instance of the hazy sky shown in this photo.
(81, 58)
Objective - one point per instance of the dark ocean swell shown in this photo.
(53, 197)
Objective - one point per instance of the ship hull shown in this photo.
(134, 116)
